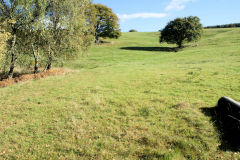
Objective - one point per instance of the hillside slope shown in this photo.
(132, 98)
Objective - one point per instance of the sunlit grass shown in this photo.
(141, 102)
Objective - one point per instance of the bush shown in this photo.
(133, 30)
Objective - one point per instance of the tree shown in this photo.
(182, 30)
(67, 29)
(33, 35)
(106, 23)
(34, 43)
(18, 14)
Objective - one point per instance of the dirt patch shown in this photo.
(181, 105)
(27, 77)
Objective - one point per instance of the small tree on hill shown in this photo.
(182, 30)
(106, 24)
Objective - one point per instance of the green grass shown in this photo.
(141, 102)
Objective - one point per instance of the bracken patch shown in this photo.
(28, 77)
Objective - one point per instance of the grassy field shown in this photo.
(132, 98)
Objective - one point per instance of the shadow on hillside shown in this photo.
(163, 49)
(17, 74)
(229, 138)
(3, 75)
(101, 42)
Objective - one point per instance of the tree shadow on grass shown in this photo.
(158, 49)
(101, 42)
(229, 137)
(4, 75)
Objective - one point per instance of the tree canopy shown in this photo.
(3, 42)
(44, 31)
(182, 30)
(106, 23)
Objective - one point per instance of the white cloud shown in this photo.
(124, 17)
(177, 5)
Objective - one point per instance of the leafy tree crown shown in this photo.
(106, 22)
(182, 30)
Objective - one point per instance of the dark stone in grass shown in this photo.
(226, 119)
(228, 111)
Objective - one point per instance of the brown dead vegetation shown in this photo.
(22, 77)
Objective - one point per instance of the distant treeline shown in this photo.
(233, 25)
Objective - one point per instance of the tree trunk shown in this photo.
(179, 44)
(96, 39)
(36, 65)
(49, 63)
(14, 57)
(36, 55)
(12, 66)
(49, 66)
(96, 33)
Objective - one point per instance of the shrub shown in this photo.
(133, 30)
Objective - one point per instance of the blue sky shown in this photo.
(152, 15)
